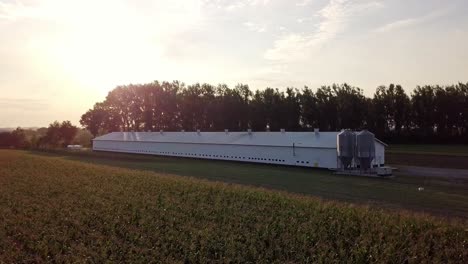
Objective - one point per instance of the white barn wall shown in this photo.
(297, 156)
(307, 149)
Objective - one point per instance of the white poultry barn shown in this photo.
(305, 149)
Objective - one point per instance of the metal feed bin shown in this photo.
(365, 149)
(345, 145)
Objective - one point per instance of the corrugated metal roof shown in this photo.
(286, 139)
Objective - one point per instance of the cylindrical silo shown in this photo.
(345, 145)
(365, 148)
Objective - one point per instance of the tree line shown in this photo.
(430, 114)
(57, 135)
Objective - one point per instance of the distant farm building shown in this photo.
(74, 147)
(305, 149)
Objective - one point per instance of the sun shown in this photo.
(98, 51)
(101, 59)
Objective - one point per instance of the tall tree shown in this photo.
(326, 108)
(258, 119)
(67, 132)
(309, 110)
(423, 98)
(290, 109)
(98, 120)
(393, 108)
(349, 106)
(430, 111)
(13, 139)
(59, 134)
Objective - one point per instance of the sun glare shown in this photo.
(101, 62)
(99, 53)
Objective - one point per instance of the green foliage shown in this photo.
(432, 156)
(54, 210)
(392, 109)
(447, 150)
(83, 137)
(14, 139)
(58, 135)
(443, 196)
(430, 114)
(423, 109)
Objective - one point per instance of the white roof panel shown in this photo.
(284, 139)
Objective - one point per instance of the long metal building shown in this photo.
(306, 149)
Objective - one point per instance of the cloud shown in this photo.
(23, 104)
(236, 5)
(334, 19)
(288, 47)
(17, 10)
(255, 27)
(91, 13)
(304, 19)
(399, 24)
(304, 3)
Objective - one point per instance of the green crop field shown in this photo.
(439, 156)
(441, 196)
(60, 209)
(434, 149)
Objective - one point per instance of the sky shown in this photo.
(59, 57)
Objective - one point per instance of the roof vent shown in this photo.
(282, 130)
(198, 131)
(226, 131)
(249, 131)
(316, 131)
